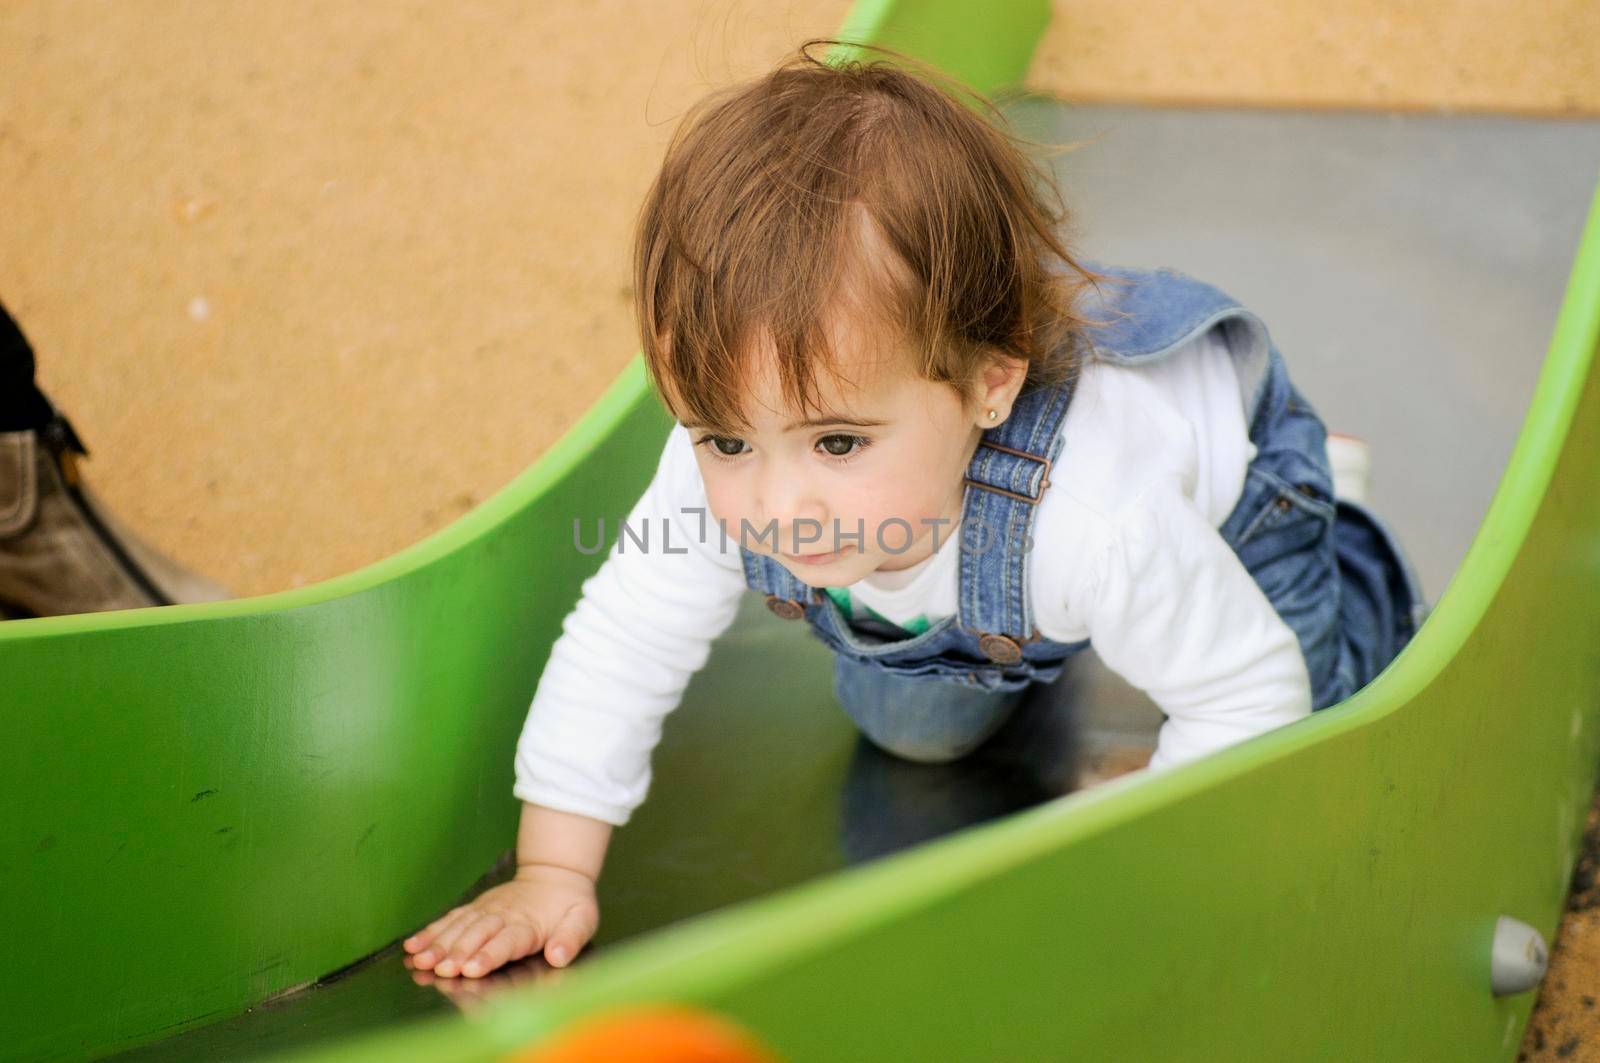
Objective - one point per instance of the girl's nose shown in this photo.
(800, 514)
(805, 535)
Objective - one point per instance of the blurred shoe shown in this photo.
(62, 550)
(1351, 461)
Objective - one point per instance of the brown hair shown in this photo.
(772, 189)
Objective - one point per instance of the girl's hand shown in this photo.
(543, 907)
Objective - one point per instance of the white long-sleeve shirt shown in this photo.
(1126, 554)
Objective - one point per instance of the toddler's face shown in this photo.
(885, 457)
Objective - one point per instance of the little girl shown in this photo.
(910, 418)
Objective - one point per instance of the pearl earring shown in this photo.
(993, 414)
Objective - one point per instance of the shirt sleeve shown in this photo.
(642, 627)
(1172, 609)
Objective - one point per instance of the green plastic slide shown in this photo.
(209, 805)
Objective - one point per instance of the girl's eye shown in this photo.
(724, 446)
(844, 446)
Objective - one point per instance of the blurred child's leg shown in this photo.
(922, 718)
(1381, 604)
(1330, 568)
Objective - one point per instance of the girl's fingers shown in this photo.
(446, 936)
(511, 943)
(571, 932)
(424, 937)
(471, 938)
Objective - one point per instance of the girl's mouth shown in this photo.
(818, 559)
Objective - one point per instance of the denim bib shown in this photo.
(1330, 569)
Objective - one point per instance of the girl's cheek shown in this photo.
(901, 504)
(725, 508)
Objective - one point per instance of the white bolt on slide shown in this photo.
(1518, 958)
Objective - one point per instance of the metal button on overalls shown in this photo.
(1001, 649)
(787, 608)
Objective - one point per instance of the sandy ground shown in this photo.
(1566, 1020)
(314, 281)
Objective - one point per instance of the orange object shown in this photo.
(663, 1034)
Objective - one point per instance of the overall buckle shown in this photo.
(1043, 483)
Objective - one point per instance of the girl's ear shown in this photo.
(999, 382)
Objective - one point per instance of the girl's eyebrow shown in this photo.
(835, 420)
(810, 424)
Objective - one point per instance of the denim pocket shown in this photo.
(1285, 511)
(878, 673)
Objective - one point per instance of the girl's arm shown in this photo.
(641, 629)
(548, 837)
(1172, 609)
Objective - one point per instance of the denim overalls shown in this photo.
(1333, 572)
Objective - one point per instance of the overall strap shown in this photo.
(785, 594)
(1007, 476)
